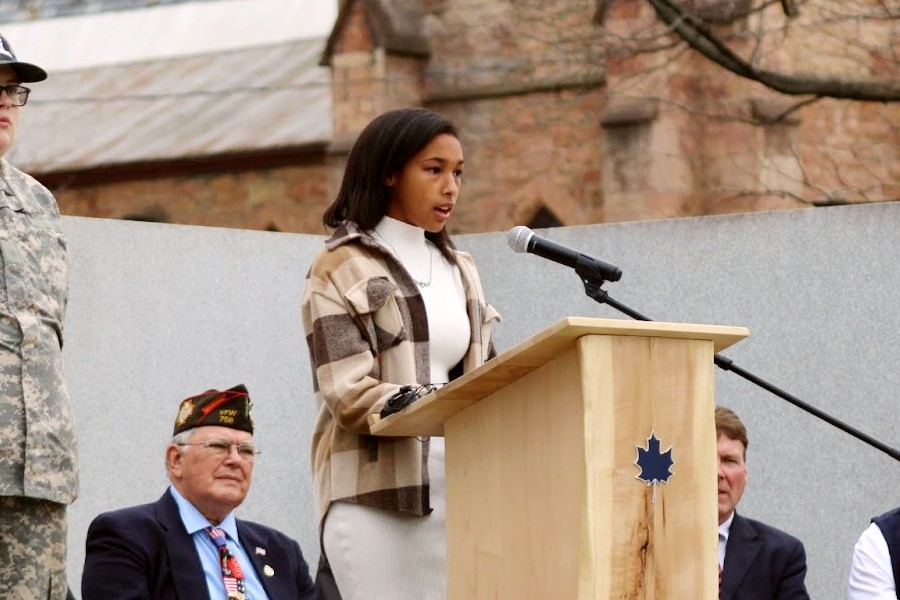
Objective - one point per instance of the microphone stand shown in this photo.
(593, 287)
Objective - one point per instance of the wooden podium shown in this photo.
(581, 464)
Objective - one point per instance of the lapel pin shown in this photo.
(269, 571)
(260, 551)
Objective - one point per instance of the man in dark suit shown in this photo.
(758, 561)
(188, 545)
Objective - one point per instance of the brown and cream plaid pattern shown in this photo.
(367, 333)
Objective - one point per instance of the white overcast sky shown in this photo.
(67, 43)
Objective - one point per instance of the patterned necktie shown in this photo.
(231, 570)
(722, 542)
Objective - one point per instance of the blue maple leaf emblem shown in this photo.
(654, 465)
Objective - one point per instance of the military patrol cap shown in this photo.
(27, 72)
(229, 408)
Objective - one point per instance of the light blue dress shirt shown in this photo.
(196, 525)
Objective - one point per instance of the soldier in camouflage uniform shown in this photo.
(38, 463)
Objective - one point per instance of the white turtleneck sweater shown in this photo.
(444, 295)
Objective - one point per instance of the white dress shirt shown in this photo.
(724, 530)
(871, 573)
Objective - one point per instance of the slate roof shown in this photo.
(240, 101)
(25, 10)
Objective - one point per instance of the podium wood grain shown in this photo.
(543, 499)
(427, 416)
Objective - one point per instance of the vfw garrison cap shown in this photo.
(228, 408)
(27, 72)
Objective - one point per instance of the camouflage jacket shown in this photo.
(37, 435)
(367, 332)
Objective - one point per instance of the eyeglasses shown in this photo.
(18, 94)
(221, 449)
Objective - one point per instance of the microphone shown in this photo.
(523, 239)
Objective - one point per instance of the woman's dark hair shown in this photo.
(382, 150)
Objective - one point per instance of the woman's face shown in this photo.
(424, 192)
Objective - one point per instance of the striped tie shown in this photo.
(722, 543)
(231, 570)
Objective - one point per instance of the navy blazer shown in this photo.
(762, 563)
(145, 553)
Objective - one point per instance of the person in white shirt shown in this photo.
(874, 565)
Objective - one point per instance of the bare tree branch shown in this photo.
(790, 8)
(699, 37)
(792, 109)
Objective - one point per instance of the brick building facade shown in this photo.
(563, 123)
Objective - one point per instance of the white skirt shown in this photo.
(378, 554)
